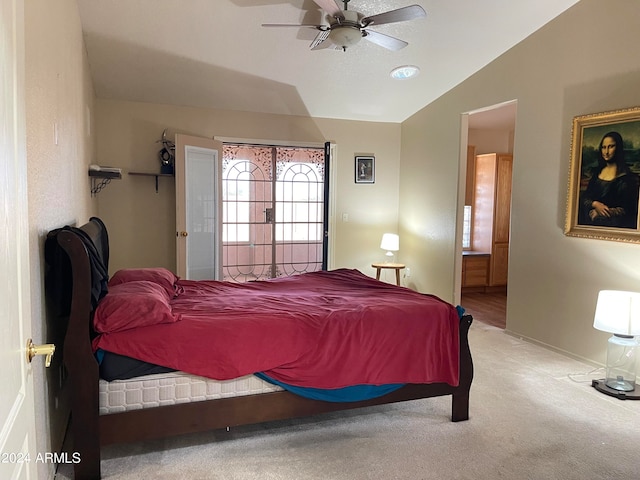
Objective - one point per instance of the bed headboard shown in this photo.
(66, 249)
(78, 260)
(76, 277)
(97, 232)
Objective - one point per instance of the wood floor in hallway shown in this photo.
(489, 308)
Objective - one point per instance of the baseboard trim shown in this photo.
(485, 289)
(553, 349)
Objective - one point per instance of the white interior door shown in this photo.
(198, 208)
(17, 423)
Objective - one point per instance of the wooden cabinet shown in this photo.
(475, 270)
(492, 211)
(471, 171)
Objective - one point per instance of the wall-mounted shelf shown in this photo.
(101, 178)
(149, 174)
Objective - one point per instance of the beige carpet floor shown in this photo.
(534, 415)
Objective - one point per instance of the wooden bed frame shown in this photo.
(91, 431)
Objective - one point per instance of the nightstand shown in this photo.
(394, 266)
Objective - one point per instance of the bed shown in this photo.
(80, 258)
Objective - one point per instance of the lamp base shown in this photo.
(601, 386)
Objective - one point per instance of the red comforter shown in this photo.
(323, 330)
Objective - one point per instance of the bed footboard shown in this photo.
(460, 398)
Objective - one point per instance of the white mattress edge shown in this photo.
(174, 388)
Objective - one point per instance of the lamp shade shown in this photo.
(618, 312)
(390, 242)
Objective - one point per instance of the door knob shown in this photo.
(183, 234)
(46, 349)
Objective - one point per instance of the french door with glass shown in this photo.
(274, 211)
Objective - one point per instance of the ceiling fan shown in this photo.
(347, 27)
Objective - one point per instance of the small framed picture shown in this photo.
(365, 169)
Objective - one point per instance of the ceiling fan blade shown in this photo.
(386, 41)
(399, 15)
(318, 42)
(331, 7)
(298, 25)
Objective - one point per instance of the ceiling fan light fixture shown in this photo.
(404, 72)
(345, 36)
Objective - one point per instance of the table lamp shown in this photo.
(618, 312)
(391, 243)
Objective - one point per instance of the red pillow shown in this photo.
(131, 305)
(163, 277)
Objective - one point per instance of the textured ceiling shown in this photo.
(215, 53)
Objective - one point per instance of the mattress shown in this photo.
(173, 388)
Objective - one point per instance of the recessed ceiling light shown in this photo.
(405, 71)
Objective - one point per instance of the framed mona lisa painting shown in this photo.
(604, 176)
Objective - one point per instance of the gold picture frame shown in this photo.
(602, 200)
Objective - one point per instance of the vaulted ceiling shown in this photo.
(217, 54)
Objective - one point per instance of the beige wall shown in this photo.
(567, 68)
(142, 222)
(58, 91)
(491, 140)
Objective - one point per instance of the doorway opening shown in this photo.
(485, 228)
